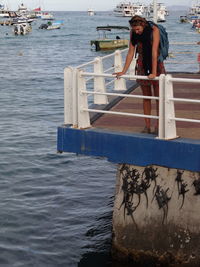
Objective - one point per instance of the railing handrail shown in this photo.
(126, 49)
(121, 113)
(121, 95)
(104, 57)
(134, 77)
(184, 100)
(85, 64)
(182, 62)
(75, 86)
(183, 43)
(184, 80)
(140, 96)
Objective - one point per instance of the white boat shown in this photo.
(47, 16)
(160, 16)
(161, 12)
(21, 19)
(194, 12)
(160, 8)
(22, 10)
(51, 26)
(163, 9)
(4, 13)
(140, 9)
(90, 12)
(37, 12)
(22, 28)
(129, 9)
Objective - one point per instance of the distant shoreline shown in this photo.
(170, 8)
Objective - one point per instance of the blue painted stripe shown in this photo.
(136, 149)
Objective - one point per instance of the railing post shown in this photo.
(132, 66)
(170, 123)
(75, 97)
(70, 96)
(120, 84)
(99, 83)
(131, 70)
(161, 122)
(83, 116)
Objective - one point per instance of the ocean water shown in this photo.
(55, 209)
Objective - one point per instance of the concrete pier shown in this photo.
(156, 216)
(156, 219)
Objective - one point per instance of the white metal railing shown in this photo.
(190, 57)
(76, 101)
(170, 119)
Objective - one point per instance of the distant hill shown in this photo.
(177, 7)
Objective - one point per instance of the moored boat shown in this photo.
(47, 16)
(194, 11)
(128, 9)
(4, 13)
(161, 12)
(22, 28)
(105, 43)
(51, 26)
(90, 12)
(21, 19)
(22, 10)
(37, 12)
(184, 19)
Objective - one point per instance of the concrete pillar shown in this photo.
(156, 218)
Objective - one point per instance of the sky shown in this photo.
(81, 5)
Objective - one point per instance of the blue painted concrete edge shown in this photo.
(136, 149)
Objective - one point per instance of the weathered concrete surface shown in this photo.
(156, 219)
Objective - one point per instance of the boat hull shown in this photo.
(22, 29)
(53, 27)
(109, 44)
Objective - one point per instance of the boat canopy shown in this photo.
(109, 28)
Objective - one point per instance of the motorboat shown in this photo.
(128, 9)
(106, 43)
(51, 25)
(22, 10)
(47, 16)
(37, 12)
(161, 16)
(22, 19)
(161, 12)
(194, 11)
(160, 7)
(184, 19)
(90, 12)
(22, 28)
(4, 13)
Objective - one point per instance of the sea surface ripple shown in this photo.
(55, 209)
